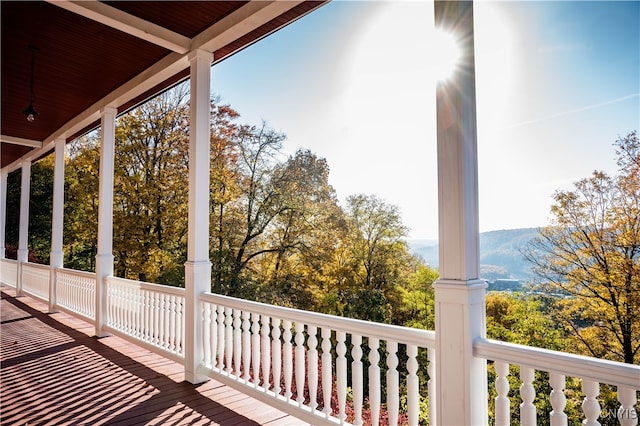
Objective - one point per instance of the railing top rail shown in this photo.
(76, 272)
(599, 370)
(35, 265)
(9, 260)
(178, 291)
(394, 333)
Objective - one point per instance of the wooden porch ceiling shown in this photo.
(89, 52)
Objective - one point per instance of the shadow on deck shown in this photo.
(55, 372)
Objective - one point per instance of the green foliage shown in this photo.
(417, 307)
(522, 320)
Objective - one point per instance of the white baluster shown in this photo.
(266, 352)
(393, 392)
(276, 352)
(136, 314)
(237, 342)
(140, 314)
(327, 378)
(558, 400)
(413, 385)
(179, 326)
(255, 348)
(627, 414)
(356, 378)
(288, 361)
(221, 338)
(172, 323)
(374, 380)
(246, 346)
(312, 366)
(167, 322)
(161, 321)
(503, 409)
(228, 337)
(157, 323)
(206, 336)
(131, 315)
(341, 375)
(300, 362)
(145, 301)
(528, 394)
(431, 386)
(213, 335)
(590, 404)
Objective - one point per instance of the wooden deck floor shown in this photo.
(55, 373)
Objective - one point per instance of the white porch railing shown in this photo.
(151, 314)
(76, 293)
(591, 371)
(299, 361)
(35, 280)
(345, 367)
(9, 272)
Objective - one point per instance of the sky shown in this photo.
(557, 83)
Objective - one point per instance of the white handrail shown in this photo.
(412, 336)
(591, 371)
(599, 370)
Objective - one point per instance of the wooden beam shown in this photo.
(244, 20)
(20, 141)
(125, 22)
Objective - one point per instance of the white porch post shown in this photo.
(23, 232)
(461, 388)
(104, 257)
(56, 256)
(198, 266)
(3, 212)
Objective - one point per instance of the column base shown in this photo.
(461, 379)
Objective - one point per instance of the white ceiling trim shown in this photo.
(20, 141)
(127, 23)
(244, 20)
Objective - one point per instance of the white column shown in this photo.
(56, 255)
(104, 257)
(198, 266)
(460, 307)
(23, 232)
(3, 212)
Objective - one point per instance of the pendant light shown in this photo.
(30, 111)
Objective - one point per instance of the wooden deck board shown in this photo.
(54, 372)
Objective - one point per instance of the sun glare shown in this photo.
(445, 55)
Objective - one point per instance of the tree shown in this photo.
(417, 307)
(150, 190)
(304, 234)
(81, 203)
(377, 239)
(372, 262)
(40, 210)
(246, 215)
(590, 253)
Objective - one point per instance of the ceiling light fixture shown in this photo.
(31, 112)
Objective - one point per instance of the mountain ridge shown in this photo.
(500, 253)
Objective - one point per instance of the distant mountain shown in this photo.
(500, 253)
